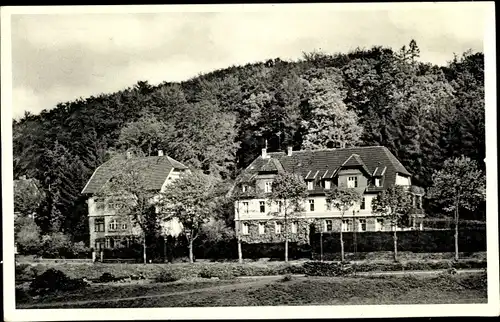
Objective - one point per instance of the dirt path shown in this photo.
(243, 284)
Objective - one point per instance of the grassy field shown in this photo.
(26, 272)
(407, 289)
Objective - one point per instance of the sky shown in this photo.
(61, 57)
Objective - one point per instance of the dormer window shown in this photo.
(244, 188)
(327, 184)
(377, 182)
(310, 185)
(352, 182)
(269, 186)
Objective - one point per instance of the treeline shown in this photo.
(218, 121)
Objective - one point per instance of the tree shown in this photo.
(331, 124)
(129, 193)
(459, 184)
(192, 200)
(289, 192)
(394, 203)
(27, 235)
(342, 199)
(148, 134)
(27, 196)
(236, 196)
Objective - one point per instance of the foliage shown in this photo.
(27, 196)
(54, 280)
(27, 235)
(192, 200)
(148, 134)
(343, 198)
(331, 123)
(394, 202)
(166, 277)
(459, 184)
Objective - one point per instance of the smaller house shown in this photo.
(109, 228)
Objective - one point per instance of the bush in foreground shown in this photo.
(54, 280)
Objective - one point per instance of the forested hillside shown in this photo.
(218, 121)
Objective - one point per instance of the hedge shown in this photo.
(433, 241)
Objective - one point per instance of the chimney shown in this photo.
(264, 153)
(160, 153)
(129, 154)
(290, 150)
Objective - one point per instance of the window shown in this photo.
(352, 182)
(327, 184)
(379, 223)
(328, 205)
(124, 226)
(269, 186)
(377, 182)
(294, 227)
(245, 207)
(280, 204)
(346, 225)
(99, 224)
(244, 188)
(311, 204)
(113, 225)
(262, 206)
(362, 206)
(262, 228)
(110, 243)
(362, 225)
(310, 185)
(328, 225)
(277, 228)
(245, 228)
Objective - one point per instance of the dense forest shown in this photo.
(218, 121)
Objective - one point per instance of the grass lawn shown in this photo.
(407, 289)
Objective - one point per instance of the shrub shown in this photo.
(23, 272)
(21, 295)
(107, 277)
(54, 280)
(287, 278)
(166, 277)
(322, 269)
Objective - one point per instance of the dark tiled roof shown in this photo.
(272, 165)
(154, 169)
(326, 162)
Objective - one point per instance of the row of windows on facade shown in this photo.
(262, 205)
(114, 225)
(113, 243)
(347, 226)
(352, 182)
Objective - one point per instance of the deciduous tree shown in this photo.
(393, 203)
(342, 199)
(289, 192)
(458, 185)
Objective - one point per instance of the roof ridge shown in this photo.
(332, 149)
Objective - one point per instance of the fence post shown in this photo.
(93, 256)
(102, 256)
(321, 246)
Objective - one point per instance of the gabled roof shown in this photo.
(354, 161)
(326, 162)
(155, 170)
(272, 165)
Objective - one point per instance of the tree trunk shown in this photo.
(395, 238)
(341, 238)
(144, 249)
(240, 253)
(191, 258)
(456, 233)
(286, 239)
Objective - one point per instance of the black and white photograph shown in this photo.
(249, 161)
